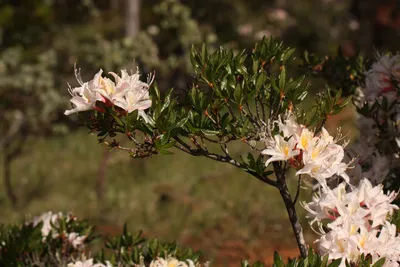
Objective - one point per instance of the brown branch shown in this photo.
(262, 111)
(290, 208)
(252, 120)
(298, 190)
(227, 159)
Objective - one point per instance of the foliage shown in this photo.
(23, 245)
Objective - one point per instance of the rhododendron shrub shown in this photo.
(355, 222)
(374, 84)
(60, 239)
(43, 238)
(250, 97)
(358, 218)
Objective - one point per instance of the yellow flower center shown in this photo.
(340, 245)
(315, 153)
(353, 229)
(315, 169)
(304, 142)
(362, 242)
(286, 150)
(107, 87)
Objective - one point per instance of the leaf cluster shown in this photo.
(22, 243)
(315, 260)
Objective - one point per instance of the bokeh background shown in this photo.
(50, 162)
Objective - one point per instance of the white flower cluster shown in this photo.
(88, 263)
(159, 262)
(171, 262)
(51, 222)
(382, 80)
(126, 91)
(317, 155)
(357, 223)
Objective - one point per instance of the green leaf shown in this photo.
(282, 78)
(164, 138)
(167, 100)
(325, 261)
(210, 132)
(274, 86)
(278, 260)
(335, 263)
(182, 122)
(379, 263)
(238, 93)
(260, 80)
(287, 55)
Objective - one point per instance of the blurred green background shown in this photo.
(50, 162)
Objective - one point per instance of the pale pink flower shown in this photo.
(84, 97)
(281, 150)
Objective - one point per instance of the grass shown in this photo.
(198, 202)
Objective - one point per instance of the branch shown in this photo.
(290, 208)
(258, 111)
(227, 159)
(253, 121)
(263, 111)
(298, 190)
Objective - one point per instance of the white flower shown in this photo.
(49, 220)
(396, 67)
(134, 100)
(88, 263)
(51, 223)
(289, 127)
(358, 222)
(305, 139)
(281, 149)
(322, 160)
(379, 78)
(338, 245)
(76, 240)
(376, 201)
(84, 97)
(171, 262)
(319, 155)
(130, 92)
(127, 92)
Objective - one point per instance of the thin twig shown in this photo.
(249, 109)
(258, 110)
(262, 111)
(203, 143)
(227, 159)
(252, 120)
(224, 148)
(298, 190)
(194, 141)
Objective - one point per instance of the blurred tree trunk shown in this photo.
(8, 158)
(367, 14)
(132, 18)
(114, 4)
